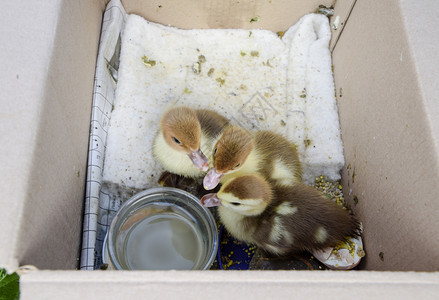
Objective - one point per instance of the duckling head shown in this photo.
(229, 154)
(182, 131)
(247, 195)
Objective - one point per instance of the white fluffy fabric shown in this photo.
(256, 79)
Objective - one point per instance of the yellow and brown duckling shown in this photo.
(238, 152)
(280, 219)
(185, 138)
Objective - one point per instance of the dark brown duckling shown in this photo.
(281, 219)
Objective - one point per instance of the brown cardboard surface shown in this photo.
(21, 89)
(51, 53)
(230, 284)
(385, 76)
(424, 45)
(275, 15)
(391, 161)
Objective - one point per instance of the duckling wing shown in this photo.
(318, 222)
(279, 158)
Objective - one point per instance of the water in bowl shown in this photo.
(162, 242)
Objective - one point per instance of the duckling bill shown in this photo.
(281, 219)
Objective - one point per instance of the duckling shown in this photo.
(183, 133)
(238, 152)
(280, 219)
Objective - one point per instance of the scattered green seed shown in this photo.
(243, 53)
(332, 190)
(362, 253)
(326, 11)
(254, 19)
(267, 63)
(303, 95)
(201, 59)
(196, 68)
(254, 53)
(211, 70)
(346, 244)
(147, 62)
(221, 81)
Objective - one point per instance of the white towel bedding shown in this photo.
(254, 78)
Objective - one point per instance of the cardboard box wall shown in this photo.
(385, 56)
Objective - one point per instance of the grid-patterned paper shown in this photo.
(103, 96)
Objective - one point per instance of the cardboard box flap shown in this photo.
(219, 285)
(46, 101)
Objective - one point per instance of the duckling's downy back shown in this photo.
(279, 158)
(302, 218)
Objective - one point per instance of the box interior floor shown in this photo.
(385, 66)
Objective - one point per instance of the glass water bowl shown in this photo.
(161, 229)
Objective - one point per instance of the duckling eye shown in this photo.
(237, 166)
(235, 203)
(177, 141)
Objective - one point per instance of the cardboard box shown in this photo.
(386, 71)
